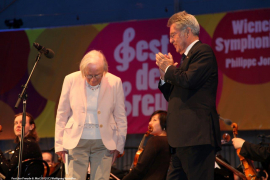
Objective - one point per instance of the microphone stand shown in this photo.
(23, 96)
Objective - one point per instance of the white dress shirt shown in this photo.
(91, 124)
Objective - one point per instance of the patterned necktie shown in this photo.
(182, 58)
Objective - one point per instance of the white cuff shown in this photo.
(162, 82)
(167, 68)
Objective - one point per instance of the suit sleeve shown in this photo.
(255, 152)
(120, 117)
(198, 72)
(165, 89)
(63, 113)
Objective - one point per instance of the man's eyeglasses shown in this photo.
(98, 76)
(172, 35)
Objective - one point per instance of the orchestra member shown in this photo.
(31, 149)
(154, 161)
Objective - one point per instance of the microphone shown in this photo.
(47, 52)
(226, 121)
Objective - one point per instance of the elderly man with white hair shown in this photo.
(91, 123)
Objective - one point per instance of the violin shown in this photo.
(112, 175)
(52, 168)
(235, 171)
(247, 164)
(140, 148)
(226, 138)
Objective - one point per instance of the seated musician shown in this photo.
(48, 158)
(57, 169)
(31, 148)
(154, 161)
(254, 152)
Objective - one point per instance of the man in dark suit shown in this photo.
(192, 121)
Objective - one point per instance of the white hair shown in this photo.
(183, 20)
(89, 57)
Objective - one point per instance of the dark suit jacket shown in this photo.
(255, 152)
(153, 162)
(191, 92)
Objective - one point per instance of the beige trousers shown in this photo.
(93, 151)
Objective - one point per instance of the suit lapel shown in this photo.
(186, 62)
(103, 87)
